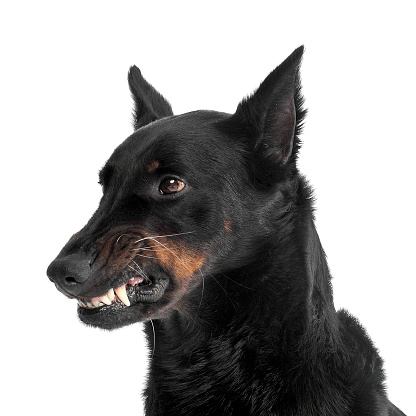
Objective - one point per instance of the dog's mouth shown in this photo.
(137, 291)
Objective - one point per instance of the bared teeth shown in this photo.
(111, 295)
(122, 295)
(106, 299)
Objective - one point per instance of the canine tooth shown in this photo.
(122, 295)
(111, 295)
(105, 299)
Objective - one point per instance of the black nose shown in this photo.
(70, 273)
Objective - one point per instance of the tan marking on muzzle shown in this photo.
(183, 262)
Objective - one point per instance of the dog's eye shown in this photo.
(171, 186)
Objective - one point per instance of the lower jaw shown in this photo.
(143, 304)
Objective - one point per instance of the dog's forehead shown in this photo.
(174, 135)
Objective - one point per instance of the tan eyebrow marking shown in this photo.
(152, 166)
(227, 225)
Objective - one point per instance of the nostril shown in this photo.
(70, 280)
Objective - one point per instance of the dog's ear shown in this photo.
(273, 114)
(149, 105)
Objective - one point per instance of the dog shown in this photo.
(205, 232)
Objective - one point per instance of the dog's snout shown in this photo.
(70, 272)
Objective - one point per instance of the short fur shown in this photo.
(209, 213)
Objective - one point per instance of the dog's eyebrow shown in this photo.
(152, 166)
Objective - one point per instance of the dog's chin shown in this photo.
(143, 306)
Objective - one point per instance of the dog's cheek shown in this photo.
(203, 217)
(183, 262)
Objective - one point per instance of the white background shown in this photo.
(65, 106)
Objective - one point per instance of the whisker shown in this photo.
(239, 284)
(148, 257)
(141, 270)
(137, 271)
(161, 236)
(154, 338)
(202, 292)
(173, 254)
(228, 296)
(200, 301)
(148, 249)
(122, 235)
(153, 249)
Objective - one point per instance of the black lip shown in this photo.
(148, 293)
(117, 314)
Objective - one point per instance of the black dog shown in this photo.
(205, 232)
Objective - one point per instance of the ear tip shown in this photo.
(134, 72)
(297, 54)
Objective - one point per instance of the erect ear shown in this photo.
(273, 114)
(149, 105)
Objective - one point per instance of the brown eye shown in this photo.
(171, 186)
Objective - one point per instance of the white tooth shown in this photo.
(96, 303)
(90, 305)
(81, 304)
(105, 299)
(111, 295)
(122, 295)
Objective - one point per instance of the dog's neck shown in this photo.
(260, 315)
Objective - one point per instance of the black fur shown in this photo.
(238, 309)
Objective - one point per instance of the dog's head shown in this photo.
(184, 197)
